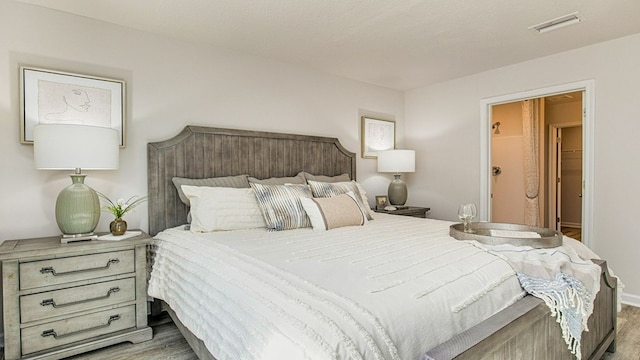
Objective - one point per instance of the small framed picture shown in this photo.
(377, 135)
(381, 202)
(54, 97)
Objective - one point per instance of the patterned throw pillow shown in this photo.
(334, 212)
(281, 206)
(325, 189)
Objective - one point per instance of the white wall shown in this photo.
(170, 84)
(507, 189)
(443, 125)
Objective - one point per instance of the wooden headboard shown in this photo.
(204, 152)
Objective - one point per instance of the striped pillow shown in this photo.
(325, 189)
(281, 206)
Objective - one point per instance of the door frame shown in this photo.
(588, 114)
(554, 165)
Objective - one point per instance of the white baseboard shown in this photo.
(631, 299)
(571, 225)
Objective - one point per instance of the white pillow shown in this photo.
(334, 212)
(223, 208)
(363, 194)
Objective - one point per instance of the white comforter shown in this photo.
(388, 290)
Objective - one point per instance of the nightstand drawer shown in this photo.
(64, 270)
(67, 301)
(58, 333)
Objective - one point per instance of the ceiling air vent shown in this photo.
(557, 23)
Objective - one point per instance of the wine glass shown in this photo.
(473, 212)
(463, 213)
(466, 213)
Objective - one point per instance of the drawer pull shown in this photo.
(53, 272)
(53, 303)
(56, 336)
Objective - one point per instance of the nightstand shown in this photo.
(61, 300)
(415, 211)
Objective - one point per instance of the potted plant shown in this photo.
(119, 208)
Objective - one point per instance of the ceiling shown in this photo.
(399, 44)
(563, 98)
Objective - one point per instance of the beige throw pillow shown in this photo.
(333, 212)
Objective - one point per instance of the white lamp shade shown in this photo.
(63, 147)
(397, 161)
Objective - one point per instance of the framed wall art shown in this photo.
(54, 97)
(377, 135)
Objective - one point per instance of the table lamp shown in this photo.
(66, 147)
(397, 161)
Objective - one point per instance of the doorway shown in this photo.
(558, 93)
(558, 153)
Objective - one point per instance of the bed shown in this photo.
(520, 328)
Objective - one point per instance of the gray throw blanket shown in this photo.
(563, 277)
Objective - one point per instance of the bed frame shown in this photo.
(204, 152)
(524, 330)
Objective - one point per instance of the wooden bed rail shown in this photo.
(527, 330)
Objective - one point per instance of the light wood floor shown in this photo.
(628, 337)
(575, 233)
(168, 343)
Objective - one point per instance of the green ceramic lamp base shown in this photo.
(77, 209)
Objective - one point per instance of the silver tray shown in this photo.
(483, 234)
